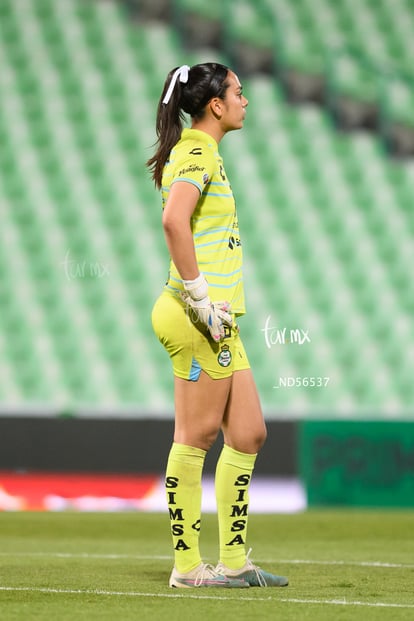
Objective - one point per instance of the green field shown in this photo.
(72, 566)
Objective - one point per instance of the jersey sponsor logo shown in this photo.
(224, 357)
(191, 169)
(196, 151)
(222, 173)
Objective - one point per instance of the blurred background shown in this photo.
(323, 174)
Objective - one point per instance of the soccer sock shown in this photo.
(183, 487)
(233, 475)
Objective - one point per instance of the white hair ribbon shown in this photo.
(182, 73)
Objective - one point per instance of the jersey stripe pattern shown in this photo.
(195, 159)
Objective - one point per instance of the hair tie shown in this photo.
(182, 73)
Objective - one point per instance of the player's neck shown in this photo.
(210, 127)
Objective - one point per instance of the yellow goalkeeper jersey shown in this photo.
(195, 159)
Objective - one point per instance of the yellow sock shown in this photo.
(233, 475)
(183, 487)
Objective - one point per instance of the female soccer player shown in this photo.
(195, 320)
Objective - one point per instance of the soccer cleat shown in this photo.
(204, 575)
(253, 575)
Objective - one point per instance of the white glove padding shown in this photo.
(212, 314)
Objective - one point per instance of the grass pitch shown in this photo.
(76, 566)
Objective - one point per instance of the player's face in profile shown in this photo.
(235, 104)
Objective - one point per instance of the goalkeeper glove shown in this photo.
(212, 314)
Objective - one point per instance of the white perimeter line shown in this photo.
(350, 563)
(287, 600)
(156, 557)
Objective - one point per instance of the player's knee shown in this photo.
(209, 438)
(250, 442)
(203, 438)
(257, 439)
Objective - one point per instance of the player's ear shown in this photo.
(216, 106)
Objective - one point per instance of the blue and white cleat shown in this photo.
(253, 575)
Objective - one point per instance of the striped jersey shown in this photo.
(214, 224)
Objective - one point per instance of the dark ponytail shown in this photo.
(205, 81)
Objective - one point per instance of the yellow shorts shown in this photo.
(190, 346)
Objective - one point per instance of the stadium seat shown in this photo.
(326, 222)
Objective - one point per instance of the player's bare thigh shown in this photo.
(232, 403)
(199, 409)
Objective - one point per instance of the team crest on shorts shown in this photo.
(224, 357)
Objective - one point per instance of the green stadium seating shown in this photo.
(326, 222)
(360, 50)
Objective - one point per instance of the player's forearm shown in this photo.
(180, 244)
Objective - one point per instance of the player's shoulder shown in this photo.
(196, 146)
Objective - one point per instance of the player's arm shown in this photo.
(176, 220)
(181, 203)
